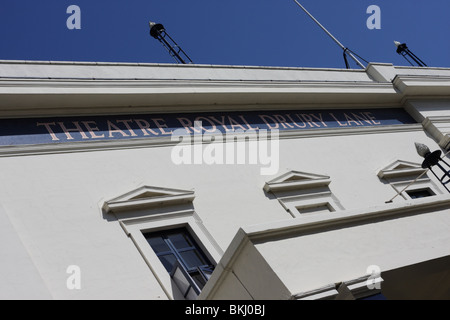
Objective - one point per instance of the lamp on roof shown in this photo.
(403, 50)
(432, 159)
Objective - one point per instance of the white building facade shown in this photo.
(161, 182)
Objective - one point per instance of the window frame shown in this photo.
(430, 193)
(151, 209)
(135, 228)
(400, 174)
(295, 190)
(294, 204)
(177, 252)
(310, 209)
(421, 184)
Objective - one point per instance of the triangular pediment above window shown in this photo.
(148, 197)
(401, 168)
(296, 180)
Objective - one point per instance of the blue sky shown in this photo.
(232, 32)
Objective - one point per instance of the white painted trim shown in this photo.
(136, 227)
(423, 183)
(166, 197)
(328, 292)
(128, 209)
(314, 223)
(294, 204)
(409, 169)
(284, 186)
(359, 288)
(433, 125)
(118, 206)
(425, 85)
(323, 221)
(305, 181)
(399, 179)
(311, 190)
(352, 289)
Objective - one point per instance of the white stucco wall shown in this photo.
(18, 276)
(54, 202)
(310, 261)
(51, 204)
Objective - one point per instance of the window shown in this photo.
(302, 193)
(422, 193)
(402, 174)
(169, 235)
(176, 248)
(323, 208)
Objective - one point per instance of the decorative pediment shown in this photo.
(296, 180)
(148, 197)
(401, 168)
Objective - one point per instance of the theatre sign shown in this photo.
(34, 131)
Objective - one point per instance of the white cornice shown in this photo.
(39, 88)
(148, 197)
(423, 85)
(316, 223)
(103, 70)
(295, 180)
(400, 168)
(263, 232)
(38, 97)
(43, 88)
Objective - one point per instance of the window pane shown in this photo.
(416, 194)
(180, 240)
(158, 245)
(198, 279)
(316, 209)
(192, 259)
(378, 296)
(168, 261)
(177, 246)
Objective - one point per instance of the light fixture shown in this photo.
(403, 50)
(434, 159)
(158, 32)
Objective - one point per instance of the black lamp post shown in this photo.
(158, 32)
(434, 159)
(403, 50)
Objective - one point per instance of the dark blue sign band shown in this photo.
(102, 128)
